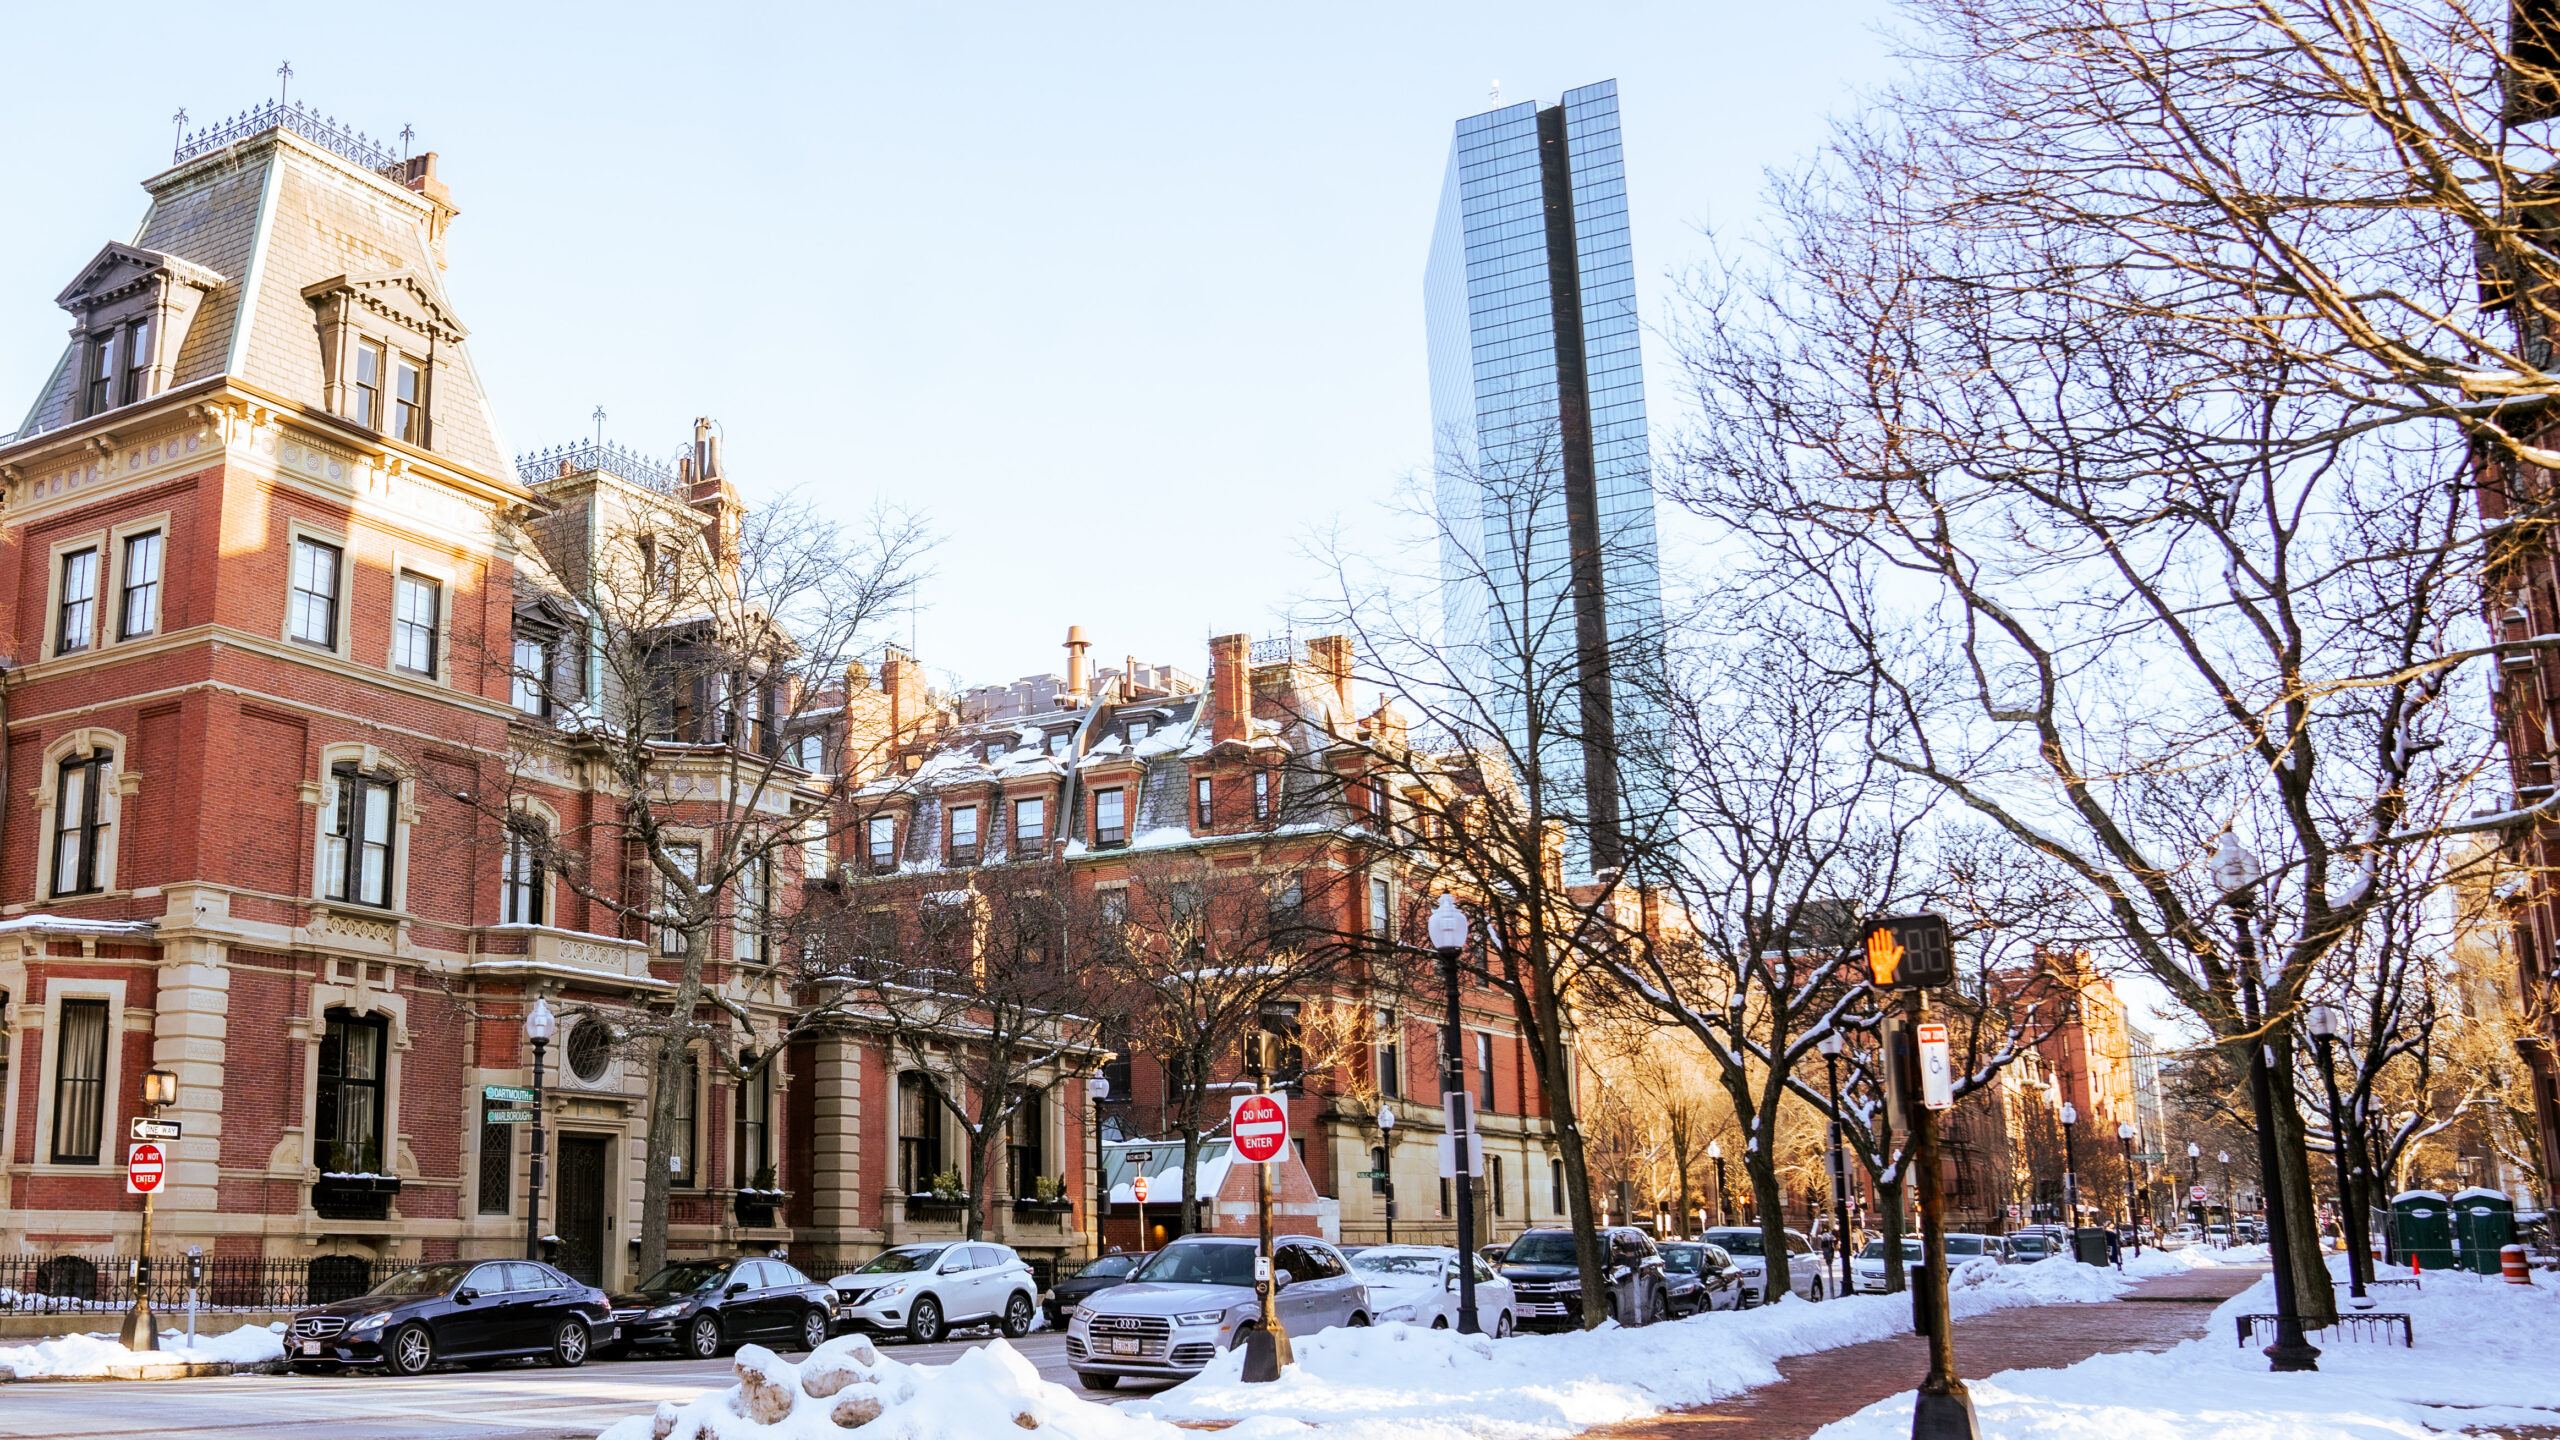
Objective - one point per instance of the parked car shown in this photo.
(1703, 1277)
(1546, 1280)
(925, 1291)
(703, 1307)
(2025, 1247)
(1804, 1267)
(1868, 1268)
(1098, 1274)
(1418, 1284)
(1195, 1298)
(469, 1310)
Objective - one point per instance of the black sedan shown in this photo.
(703, 1307)
(1703, 1277)
(468, 1310)
(1102, 1274)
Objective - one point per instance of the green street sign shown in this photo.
(505, 1117)
(1368, 1174)
(517, 1093)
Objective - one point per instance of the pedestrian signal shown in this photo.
(1908, 952)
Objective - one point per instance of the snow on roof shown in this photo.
(2480, 1192)
(2416, 1195)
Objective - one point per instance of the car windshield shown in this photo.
(1739, 1242)
(2028, 1245)
(1198, 1265)
(1875, 1250)
(679, 1279)
(1399, 1262)
(425, 1279)
(1965, 1245)
(905, 1260)
(1547, 1247)
(1683, 1258)
(1108, 1266)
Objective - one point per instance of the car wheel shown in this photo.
(569, 1345)
(813, 1329)
(410, 1350)
(1243, 1333)
(702, 1337)
(1358, 1321)
(1017, 1316)
(1503, 1328)
(1092, 1380)
(1439, 1322)
(924, 1323)
(1659, 1310)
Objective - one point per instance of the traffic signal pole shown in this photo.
(1943, 1410)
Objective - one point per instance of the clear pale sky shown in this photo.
(1126, 298)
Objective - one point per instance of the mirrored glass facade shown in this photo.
(1539, 441)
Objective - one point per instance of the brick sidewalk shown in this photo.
(1814, 1390)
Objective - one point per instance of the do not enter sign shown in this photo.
(1138, 1189)
(1260, 1126)
(143, 1168)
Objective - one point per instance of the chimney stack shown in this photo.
(903, 679)
(710, 492)
(1331, 655)
(1079, 675)
(1230, 687)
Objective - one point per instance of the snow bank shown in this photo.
(81, 1355)
(2481, 1361)
(990, 1393)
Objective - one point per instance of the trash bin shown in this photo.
(2089, 1244)
(2422, 1230)
(2484, 1220)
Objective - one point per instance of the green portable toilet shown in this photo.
(2422, 1229)
(2484, 1220)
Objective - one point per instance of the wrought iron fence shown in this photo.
(323, 131)
(612, 459)
(103, 1284)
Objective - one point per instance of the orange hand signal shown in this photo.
(1884, 956)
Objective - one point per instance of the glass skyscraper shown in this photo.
(1551, 589)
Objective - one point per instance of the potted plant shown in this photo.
(756, 1202)
(353, 1184)
(942, 1195)
(1048, 1197)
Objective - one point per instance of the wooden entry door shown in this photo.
(581, 1207)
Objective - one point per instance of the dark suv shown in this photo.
(1548, 1284)
(703, 1307)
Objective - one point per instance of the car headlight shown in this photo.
(1200, 1317)
(1081, 1312)
(667, 1312)
(370, 1322)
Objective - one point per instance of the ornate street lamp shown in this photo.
(1715, 1152)
(1097, 1088)
(539, 1027)
(2125, 1132)
(2346, 1142)
(2070, 1170)
(1387, 1162)
(1830, 1045)
(1448, 930)
(2236, 872)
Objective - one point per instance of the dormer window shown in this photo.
(364, 402)
(379, 339)
(133, 307)
(408, 402)
(1140, 730)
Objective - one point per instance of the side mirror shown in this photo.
(465, 1295)
(736, 1287)
(1280, 1279)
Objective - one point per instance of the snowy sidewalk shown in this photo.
(1817, 1389)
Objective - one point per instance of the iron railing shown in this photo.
(103, 1283)
(1279, 650)
(311, 125)
(612, 459)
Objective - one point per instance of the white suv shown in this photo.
(924, 1291)
(1804, 1263)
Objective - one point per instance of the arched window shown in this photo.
(520, 887)
(78, 821)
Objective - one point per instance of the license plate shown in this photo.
(310, 1347)
(1124, 1347)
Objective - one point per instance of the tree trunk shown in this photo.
(1889, 1200)
(1762, 1167)
(667, 1072)
(1687, 1226)
(981, 1195)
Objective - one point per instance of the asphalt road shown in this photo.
(522, 1399)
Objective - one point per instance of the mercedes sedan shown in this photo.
(469, 1310)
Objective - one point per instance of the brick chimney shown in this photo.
(709, 491)
(903, 679)
(1230, 688)
(1331, 656)
(418, 173)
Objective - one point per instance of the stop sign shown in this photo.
(1138, 1189)
(143, 1167)
(1260, 1126)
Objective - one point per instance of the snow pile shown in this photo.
(990, 1393)
(2481, 1361)
(83, 1355)
(1397, 1382)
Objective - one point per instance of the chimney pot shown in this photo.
(1079, 677)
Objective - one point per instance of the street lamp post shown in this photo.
(2236, 871)
(2195, 1182)
(1097, 1088)
(2230, 1202)
(1387, 1162)
(1715, 1152)
(1448, 929)
(2347, 1144)
(2070, 1170)
(159, 1087)
(538, 1028)
(2133, 1222)
(1830, 1046)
